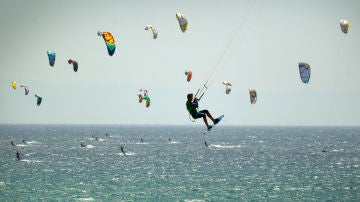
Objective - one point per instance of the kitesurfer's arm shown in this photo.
(195, 103)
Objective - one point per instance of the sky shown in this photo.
(252, 44)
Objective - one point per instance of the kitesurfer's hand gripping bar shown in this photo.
(202, 90)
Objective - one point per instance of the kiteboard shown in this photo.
(220, 118)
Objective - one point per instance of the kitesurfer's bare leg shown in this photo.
(205, 121)
(209, 115)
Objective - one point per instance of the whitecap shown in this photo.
(30, 161)
(127, 154)
(86, 199)
(32, 142)
(225, 146)
(22, 145)
(173, 142)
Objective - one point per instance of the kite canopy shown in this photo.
(189, 75)
(253, 95)
(26, 88)
(227, 87)
(144, 97)
(109, 41)
(51, 56)
(147, 99)
(38, 99)
(13, 84)
(74, 63)
(182, 21)
(305, 71)
(344, 25)
(153, 30)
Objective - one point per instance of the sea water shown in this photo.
(172, 163)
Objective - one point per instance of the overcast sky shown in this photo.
(270, 39)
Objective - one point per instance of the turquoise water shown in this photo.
(240, 163)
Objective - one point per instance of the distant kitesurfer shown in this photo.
(192, 105)
(206, 144)
(18, 155)
(12, 143)
(122, 150)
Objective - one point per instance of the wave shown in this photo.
(32, 142)
(127, 154)
(86, 199)
(31, 161)
(225, 146)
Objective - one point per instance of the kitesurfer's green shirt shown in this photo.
(191, 107)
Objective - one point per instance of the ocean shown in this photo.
(172, 163)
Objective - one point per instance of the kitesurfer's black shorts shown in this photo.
(200, 114)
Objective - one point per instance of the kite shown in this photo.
(26, 88)
(189, 75)
(38, 99)
(74, 63)
(182, 22)
(109, 41)
(253, 95)
(305, 71)
(144, 97)
(154, 31)
(344, 25)
(227, 87)
(13, 84)
(51, 56)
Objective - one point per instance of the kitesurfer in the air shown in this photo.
(192, 105)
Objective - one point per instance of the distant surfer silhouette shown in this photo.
(82, 144)
(206, 144)
(18, 155)
(12, 143)
(141, 140)
(24, 141)
(122, 150)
